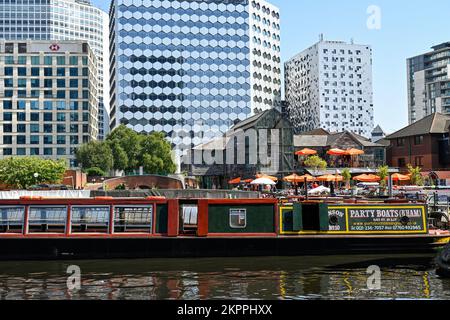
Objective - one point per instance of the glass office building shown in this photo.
(192, 69)
(62, 20)
(48, 98)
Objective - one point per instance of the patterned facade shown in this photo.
(192, 69)
(329, 86)
(62, 20)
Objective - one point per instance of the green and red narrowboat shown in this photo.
(154, 227)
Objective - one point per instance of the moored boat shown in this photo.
(106, 227)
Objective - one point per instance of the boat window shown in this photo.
(238, 218)
(11, 219)
(90, 219)
(47, 219)
(133, 219)
(190, 214)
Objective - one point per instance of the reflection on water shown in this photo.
(403, 277)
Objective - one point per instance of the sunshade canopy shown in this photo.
(354, 152)
(306, 152)
(263, 181)
(331, 178)
(336, 152)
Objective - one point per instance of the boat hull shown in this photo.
(185, 247)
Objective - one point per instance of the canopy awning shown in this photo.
(336, 152)
(306, 152)
(331, 178)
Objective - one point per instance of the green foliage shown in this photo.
(346, 174)
(95, 154)
(316, 163)
(416, 176)
(156, 155)
(126, 146)
(124, 149)
(121, 187)
(95, 172)
(383, 173)
(23, 172)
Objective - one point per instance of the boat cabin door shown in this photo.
(189, 219)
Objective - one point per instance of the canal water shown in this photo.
(336, 277)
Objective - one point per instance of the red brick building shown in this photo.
(424, 143)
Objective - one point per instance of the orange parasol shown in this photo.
(331, 178)
(306, 152)
(294, 178)
(354, 152)
(399, 177)
(259, 176)
(367, 178)
(309, 178)
(336, 152)
(235, 181)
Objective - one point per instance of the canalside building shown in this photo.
(48, 98)
(424, 143)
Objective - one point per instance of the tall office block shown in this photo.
(62, 20)
(192, 69)
(48, 98)
(429, 83)
(329, 86)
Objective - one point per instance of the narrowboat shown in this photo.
(155, 227)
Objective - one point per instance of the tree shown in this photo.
(95, 172)
(383, 173)
(416, 175)
(95, 154)
(23, 172)
(346, 174)
(126, 144)
(157, 154)
(316, 163)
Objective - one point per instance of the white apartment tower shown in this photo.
(329, 86)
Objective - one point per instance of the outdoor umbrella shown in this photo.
(367, 178)
(354, 152)
(319, 190)
(258, 176)
(399, 177)
(294, 178)
(336, 152)
(331, 178)
(306, 152)
(235, 181)
(263, 181)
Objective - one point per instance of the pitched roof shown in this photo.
(434, 123)
(321, 140)
(378, 129)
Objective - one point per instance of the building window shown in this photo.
(21, 151)
(400, 142)
(419, 161)
(401, 162)
(418, 140)
(7, 151)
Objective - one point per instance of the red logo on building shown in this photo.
(55, 47)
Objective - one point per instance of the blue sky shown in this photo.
(408, 28)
